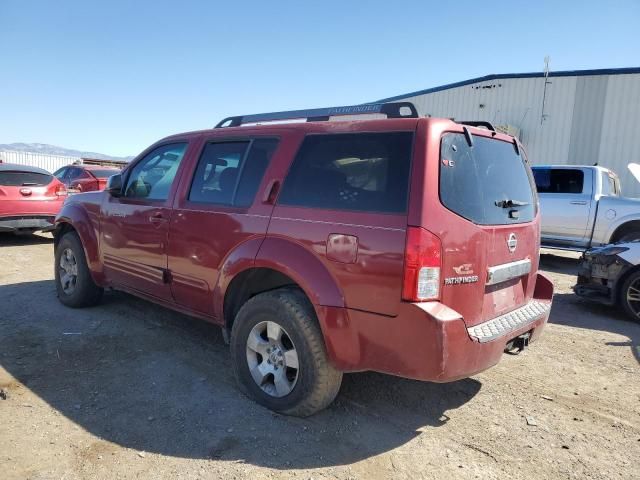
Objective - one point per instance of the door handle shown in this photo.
(578, 202)
(157, 217)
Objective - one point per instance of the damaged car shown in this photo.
(611, 275)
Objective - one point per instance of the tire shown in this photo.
(631, 287)
(80, 291)
(307, 389)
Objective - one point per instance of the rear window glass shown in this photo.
(20, 179)
(488, 183)
(103, 173)
(362, 172)
(558, 180)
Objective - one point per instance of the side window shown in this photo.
(60, 173)
(558, 180)
(362, 172)
(73, 173)
(151, 177)
(542, 177)
(229, 173)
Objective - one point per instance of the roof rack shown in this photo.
(471, 123)
(391, 110)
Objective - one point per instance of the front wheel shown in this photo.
(74, 284)
(630, 296)
(279, 356)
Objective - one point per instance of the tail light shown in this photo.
(61, 190)
(422, 265)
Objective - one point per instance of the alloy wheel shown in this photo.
(272, 359)
(68, 271)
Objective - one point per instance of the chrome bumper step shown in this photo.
(502, 325)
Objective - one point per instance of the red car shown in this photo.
(85, 178)
(403, 245)
(30, 198)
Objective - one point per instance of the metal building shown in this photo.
(577, 117)
(53, 162)
(49, 162)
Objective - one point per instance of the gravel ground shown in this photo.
(131, 390)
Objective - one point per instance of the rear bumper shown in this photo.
(27, 222)
(429, 341)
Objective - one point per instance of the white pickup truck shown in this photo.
(583, 207)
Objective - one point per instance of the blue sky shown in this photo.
(115, 76)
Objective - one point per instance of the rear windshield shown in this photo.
(24, 179)
(487, 183)
(103, 173)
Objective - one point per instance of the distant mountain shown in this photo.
(54, 150)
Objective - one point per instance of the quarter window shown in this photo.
(151, 177)
(229, 173)
(362, 172)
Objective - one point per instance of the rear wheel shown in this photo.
(74, 284)
(630, 295)
(279, 357)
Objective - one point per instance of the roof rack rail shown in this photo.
(471, 123)
(391, 110)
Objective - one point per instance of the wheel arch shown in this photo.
(279, 263)
(75, 219)
(622, 279)
(624, 226)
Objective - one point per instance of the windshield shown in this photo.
(106, 173)
(488, 183)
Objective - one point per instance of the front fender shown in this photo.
(87, 226)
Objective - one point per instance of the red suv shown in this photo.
(402, 245)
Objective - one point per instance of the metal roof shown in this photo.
(14, 167)
(501, 76)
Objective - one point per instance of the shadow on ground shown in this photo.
(573, 311)
(567, 263)
(13, 240)
(152, 380)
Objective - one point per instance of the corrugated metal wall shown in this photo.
(586, 119)
(48, 162)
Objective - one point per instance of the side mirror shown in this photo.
(114, 185)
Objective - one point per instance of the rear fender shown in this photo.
(76, 217)
(304, 268)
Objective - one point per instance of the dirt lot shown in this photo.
(130, 390)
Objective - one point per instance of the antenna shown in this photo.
(543, 116)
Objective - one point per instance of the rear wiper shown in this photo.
(510, 203)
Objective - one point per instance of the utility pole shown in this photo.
(546, 82)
